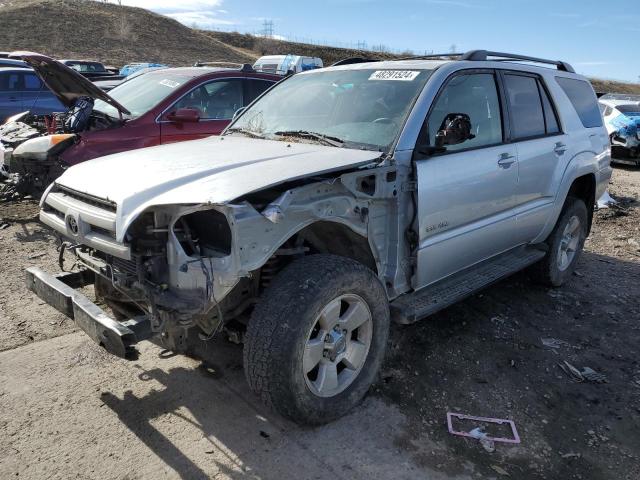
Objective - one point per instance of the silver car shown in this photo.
(341, 199)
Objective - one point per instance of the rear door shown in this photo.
(215, 101)
(10, 94)
(541, 146)
(466, 193)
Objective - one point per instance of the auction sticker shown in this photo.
(398, 75)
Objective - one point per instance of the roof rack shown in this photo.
(436, 56)
(482, 55)
(245, 67)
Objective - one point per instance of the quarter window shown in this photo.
(583, 99)
(475, 95)
(527, 117)
(214, 100)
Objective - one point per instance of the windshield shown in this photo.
(351, 108)
(141, 94)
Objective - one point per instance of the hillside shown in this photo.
(113, 34)
(118, 35)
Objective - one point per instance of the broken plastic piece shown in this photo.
(498, 421)
(585, 375)
(605, 200)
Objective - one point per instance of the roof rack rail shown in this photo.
(245, 67)
(481, 55)
(435, 56)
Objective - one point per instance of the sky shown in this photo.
(599, 38)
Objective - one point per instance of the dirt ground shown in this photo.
(484, 357)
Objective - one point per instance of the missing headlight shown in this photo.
(205, 233)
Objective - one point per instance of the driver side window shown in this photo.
(216, 100)
(476, 96)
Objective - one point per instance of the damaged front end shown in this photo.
(32, 145)
(203, 267)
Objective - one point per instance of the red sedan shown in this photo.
(161, 106)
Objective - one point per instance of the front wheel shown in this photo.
(317, 337)
(565, 244)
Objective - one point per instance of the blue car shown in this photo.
(22, 90)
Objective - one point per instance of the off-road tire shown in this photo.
(279, 326)
(547, 270)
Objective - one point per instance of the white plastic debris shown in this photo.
(605, 200)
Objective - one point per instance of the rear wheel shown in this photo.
(565, 244)
(317, 337)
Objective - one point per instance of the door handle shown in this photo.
(560, 148)
(506, 160)
(13, 99)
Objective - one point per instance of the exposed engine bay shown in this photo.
(32, 145)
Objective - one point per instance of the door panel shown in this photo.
(540, 162)
(465, 203)
(466, 194)
(216, 101)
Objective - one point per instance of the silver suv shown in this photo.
(340, 199)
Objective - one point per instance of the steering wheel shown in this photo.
(383, 120)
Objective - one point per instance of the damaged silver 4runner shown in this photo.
(341, 198)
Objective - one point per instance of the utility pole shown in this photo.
(267, 28)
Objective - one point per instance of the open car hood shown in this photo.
(65, 83)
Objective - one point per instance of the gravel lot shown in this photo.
(67, 410)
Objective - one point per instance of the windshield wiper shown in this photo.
(327, 139)
(245, 131)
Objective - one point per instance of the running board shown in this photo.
(414, 306)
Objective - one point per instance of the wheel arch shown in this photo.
(337, 238)
(584, 188)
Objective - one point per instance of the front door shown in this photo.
(215, 102)
(466, 190)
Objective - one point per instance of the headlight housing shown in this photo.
(40, 148)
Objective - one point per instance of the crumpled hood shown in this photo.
(214, 170)
(65, 83)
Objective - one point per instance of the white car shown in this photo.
(621, 115)
(283, 64)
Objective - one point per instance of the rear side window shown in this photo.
(32, 82)
(584, 100)
(525, 106)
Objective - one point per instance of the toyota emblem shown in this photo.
(72, 224)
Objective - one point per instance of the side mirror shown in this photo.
(184, 115)
(238, 112)
(455, 129)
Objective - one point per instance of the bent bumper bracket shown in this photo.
(58, 291)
